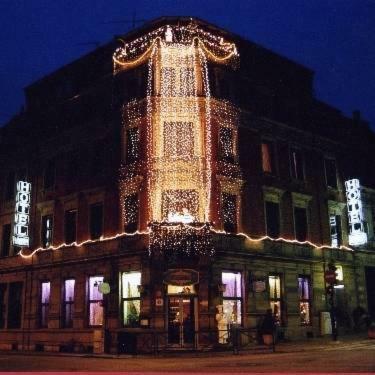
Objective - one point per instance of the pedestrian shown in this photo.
(268, 327)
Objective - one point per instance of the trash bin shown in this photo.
(325, 323)
(127, 343)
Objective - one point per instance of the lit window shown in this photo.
(14, 317)
(330, 172)
(70, 226)
(180, 205)
(132, 144)
(232, 297)
(5, 242)
(187, 80)
(44, 303)
(268, 157)
(68, 303)
(3, 289)
(131, 211)
(296, 160)
(96, 220)
(272, 219)
(226, 144)
(274, 282)
(178, 139)
(229, 212)
(131, 298)
(300, 223)
(95, 301)
(46, 235)
(336, 232)
(168, 81)
(304, 299)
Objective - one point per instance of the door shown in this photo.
(181, 321)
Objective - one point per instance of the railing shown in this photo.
(156, 342)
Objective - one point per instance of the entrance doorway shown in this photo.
(181, 320)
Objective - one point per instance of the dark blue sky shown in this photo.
(335, 38)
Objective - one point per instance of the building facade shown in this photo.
(173, 184)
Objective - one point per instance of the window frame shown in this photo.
(90, 221)
(42, 231)
(241, 298)
(130, 299)
(92, 301)
(230, 158)
(66, 303)
(330, 160)
(294, 168)
(131, 227)
(44, 305)
(273, 156)
(233, 226)
(279, 300)
(307, 223)
(266, 201)
(65, 225)
(302, 300)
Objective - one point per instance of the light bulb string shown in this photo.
(181, 226)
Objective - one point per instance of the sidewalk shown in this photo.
(312, 344)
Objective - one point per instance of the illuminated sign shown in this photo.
(21, 216)
(357, 234)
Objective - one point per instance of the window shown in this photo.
(296, 160)
(15, 305)
(226, 144)
(274, 282)
(273, 219)
(95, 301)
(304, 299)
(46, 235)
(5, 243)
(232, 297)
(300, 223)
(330, 171)
(3, 289)
(229, 212)
(70, 226)
(131, 209)
(180, 205)
(49, 175)
(10, 186)
(168, 81)
(268, 158)
(68, 303)
(178, 139)
(336, 231)
(131, 298)
(132, 145)
(187, 81)
(45, 294)
(96, 220)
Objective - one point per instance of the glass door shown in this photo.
(181, 321)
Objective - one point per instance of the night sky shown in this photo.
(335, 38)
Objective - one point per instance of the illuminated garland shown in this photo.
(191, 227)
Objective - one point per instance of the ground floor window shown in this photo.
(95, 301)
(68, 303)
(304, 299)
(274, 282)
(45, 293)
(131, 298)
(232, 297)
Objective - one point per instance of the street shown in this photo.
(342, 356)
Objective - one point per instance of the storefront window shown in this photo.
(68, 303)
(275, 297)
(95, 301)
(232, 297)
(131, 298)
(44, 303)
(304, 299)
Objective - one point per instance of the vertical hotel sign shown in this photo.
(22, 214)
(357, 233)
